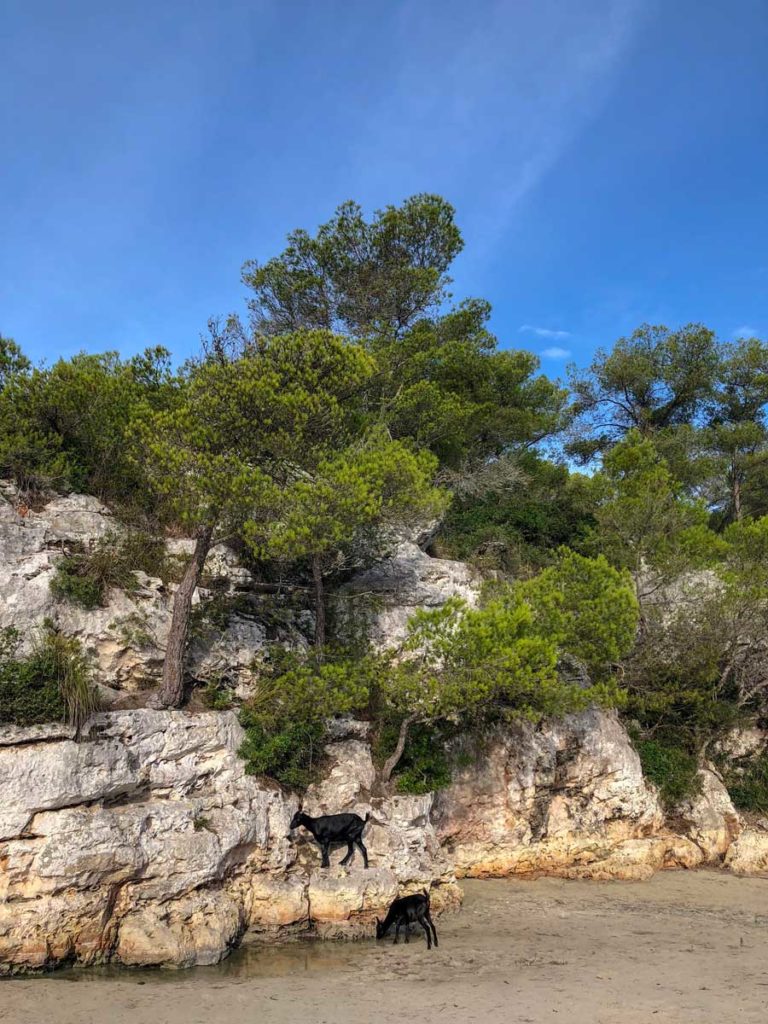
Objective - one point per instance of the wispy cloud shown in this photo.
(745, 331)
(523, 81)
(556, 352)
(545, 332)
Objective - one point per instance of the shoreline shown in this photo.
(681, 947)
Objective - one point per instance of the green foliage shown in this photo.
(72, 582)
(68, 426)
(357, 277)
(50, 684)
(586, 607)
(503, 657)
(85, 576)
(458, 667)
(425, 765)
(654, 380)
(440, 381)
(517, 527)
(13, 362)
(346, 501)
(217, 696)
(672, 769)
(286, 721)
(445, 385)
(645, 521)
(700, 668)
(748, 784)
(218, 457)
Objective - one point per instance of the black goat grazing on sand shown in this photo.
(334, 828)
(405, 911)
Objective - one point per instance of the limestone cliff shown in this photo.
(144, 841)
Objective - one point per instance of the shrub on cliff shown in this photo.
(458, 668)
(84, 576)
(747, 784)
(671, 768)
(502, 660)
(286, 720)
(51, 684)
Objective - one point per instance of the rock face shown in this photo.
(146, 843)
(749, 854)
(125, 640)
(383, 598)
(709, 819)
(570, 800)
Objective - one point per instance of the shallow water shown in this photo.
(302, 956)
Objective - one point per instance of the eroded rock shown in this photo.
(147, 844)
(569, 799)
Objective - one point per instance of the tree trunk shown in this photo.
(172, 689)
(317, 578)
(392, 761)
(736, 494)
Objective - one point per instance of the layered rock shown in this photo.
(146, 843)
(569, 799)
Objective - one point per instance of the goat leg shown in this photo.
(361, 846)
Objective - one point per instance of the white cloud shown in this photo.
(556, 353)
(545, 332)
(745, 331)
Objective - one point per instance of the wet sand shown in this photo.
(686, 947)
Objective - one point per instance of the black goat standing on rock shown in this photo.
(404, 912)
(334, 828)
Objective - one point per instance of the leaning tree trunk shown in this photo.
(392, 761)
(172, 688)
(317, 578)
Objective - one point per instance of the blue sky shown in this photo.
(608, 159)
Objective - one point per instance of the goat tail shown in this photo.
(367, 817)
(426, 895)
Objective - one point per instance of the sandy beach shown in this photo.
(684, 947)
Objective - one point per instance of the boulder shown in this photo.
(709, 818)
(748, 855)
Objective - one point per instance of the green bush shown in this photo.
(673, 770)
(517, 530)
(290, 753)
(218, 696)
(425, 765)
(86, 576)
(748, 785)
(51, 684)
(286, 721)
